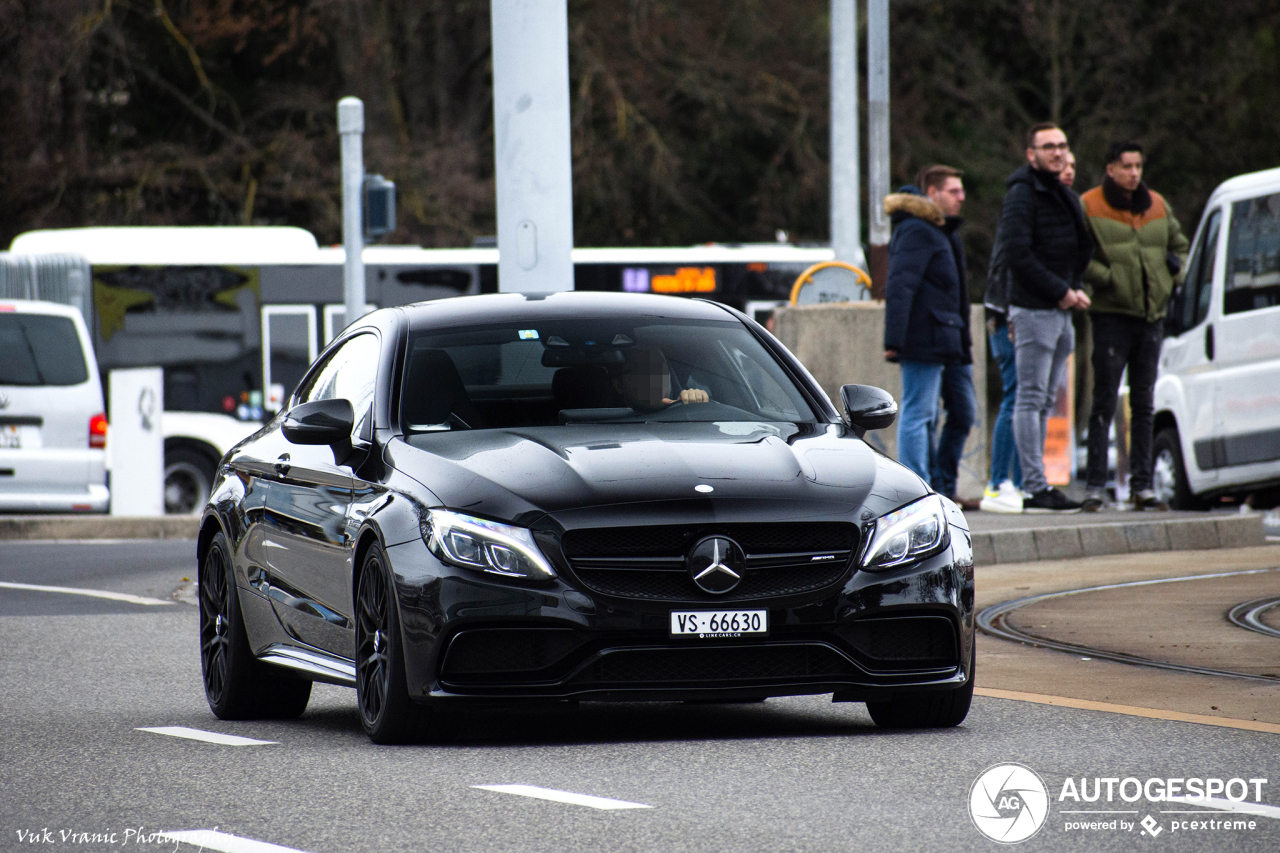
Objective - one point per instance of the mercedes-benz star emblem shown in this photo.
(716, 564)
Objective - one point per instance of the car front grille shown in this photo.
(649, 562)
(799, 661)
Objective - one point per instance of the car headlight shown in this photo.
(486, 546)
(914, 531)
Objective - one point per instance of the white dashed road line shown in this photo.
(211, 839)
(1240, 807)
(93, 593)
(562, 796)
(208, 737)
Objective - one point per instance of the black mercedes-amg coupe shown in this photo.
(577, 496)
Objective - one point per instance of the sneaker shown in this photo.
(1146, 499)
(1049, 500)
(1094, 500)
(1006, 499)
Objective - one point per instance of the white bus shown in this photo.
(235, 315)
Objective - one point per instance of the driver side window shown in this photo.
(350, 372)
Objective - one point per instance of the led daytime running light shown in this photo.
(907, 534)
(486, 546)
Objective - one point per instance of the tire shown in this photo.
(387, 713)
(237, 685)
(939, 709)
(188, 477)
(1169, 474)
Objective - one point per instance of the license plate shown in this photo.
(719, 623)
(14, 437)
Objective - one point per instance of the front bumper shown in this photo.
(866, 637)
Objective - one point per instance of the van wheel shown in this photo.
(1168, 474)
(188, 477)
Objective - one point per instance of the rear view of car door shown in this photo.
(307, 506)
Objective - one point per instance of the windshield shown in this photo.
(563, 372)
(39, 349)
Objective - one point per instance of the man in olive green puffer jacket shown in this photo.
(1140, 251)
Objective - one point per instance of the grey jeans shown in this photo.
(1042, 340)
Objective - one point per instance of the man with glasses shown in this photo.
(1047, 248)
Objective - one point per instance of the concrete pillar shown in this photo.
(533, 166)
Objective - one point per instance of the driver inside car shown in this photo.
(645, 381)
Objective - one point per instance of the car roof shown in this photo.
(1268, 179)
(523, 307)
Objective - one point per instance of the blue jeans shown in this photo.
(1004, 454)
(922, 384)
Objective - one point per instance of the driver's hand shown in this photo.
(694, 395)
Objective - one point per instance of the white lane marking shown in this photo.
(562, 796)
(1258, 809)
(208, 737)
(211, 839)
(94, 593)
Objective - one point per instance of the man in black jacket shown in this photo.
(926, 325)
(1047, 248)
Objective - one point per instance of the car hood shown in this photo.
(656, 472)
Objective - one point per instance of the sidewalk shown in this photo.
(1056, 536)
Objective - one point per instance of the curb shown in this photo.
(98, 527)
(1069, 542)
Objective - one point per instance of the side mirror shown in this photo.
(868, 407)
(319, 422)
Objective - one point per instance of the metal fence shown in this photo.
(62, 278)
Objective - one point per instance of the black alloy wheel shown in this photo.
(938, 709)
(386, 711)
(236, 684)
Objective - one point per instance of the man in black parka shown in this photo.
(1047, 247)
(926, 326)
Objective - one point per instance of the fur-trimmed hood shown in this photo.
(909, 201)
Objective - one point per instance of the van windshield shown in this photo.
(37, 349)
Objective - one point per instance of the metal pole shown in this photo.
(846, 229)
(878, 139)
(351, 130)
(533, 166)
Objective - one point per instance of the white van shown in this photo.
(1217, 397)
(53, 428)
